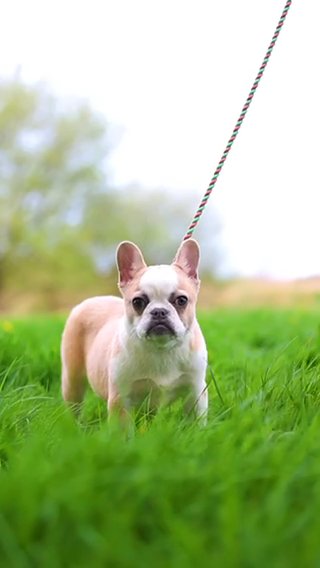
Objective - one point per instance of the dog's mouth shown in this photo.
(159, 329)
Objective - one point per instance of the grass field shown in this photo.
(243, 492)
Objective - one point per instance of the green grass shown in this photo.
(242, 492)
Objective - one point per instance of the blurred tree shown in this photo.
(59, 220)
(51, 158)
(154, 219)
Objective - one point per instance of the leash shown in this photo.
(236, 129)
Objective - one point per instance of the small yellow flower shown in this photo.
(7, 326)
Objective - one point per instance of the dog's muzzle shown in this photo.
(160, 324)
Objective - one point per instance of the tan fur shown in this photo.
(100, 343)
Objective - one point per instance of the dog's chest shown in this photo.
(164, 368)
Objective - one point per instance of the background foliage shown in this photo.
(60, 217)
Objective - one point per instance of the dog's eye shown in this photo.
(139, 303)
(181, 301)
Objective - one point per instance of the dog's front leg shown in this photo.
(201, 406)
(118, 414)
(197, 401)
(116, 407)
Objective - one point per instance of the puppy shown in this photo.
(146, 345)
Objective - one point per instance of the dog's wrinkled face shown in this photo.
(159, 300)
(160, 304)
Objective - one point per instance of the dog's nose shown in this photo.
(159, 313)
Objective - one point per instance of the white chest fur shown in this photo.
(168, 367)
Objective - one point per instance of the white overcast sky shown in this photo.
(173, 76)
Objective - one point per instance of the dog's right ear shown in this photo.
(129, 261)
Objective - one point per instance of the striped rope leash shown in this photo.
(238, 125)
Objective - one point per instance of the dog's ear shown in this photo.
(188, 258)
(129, 261)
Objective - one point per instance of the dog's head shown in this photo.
(159, 300)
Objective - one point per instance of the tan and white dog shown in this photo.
(148, 344)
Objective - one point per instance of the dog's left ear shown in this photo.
(188, 258)
(129, 261)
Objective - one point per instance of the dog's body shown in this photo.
(146, 345)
